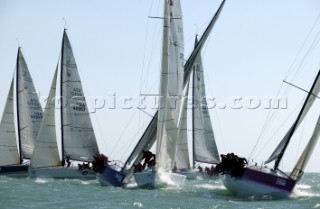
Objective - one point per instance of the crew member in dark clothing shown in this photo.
(147, 155)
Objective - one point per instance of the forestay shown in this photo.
(29, 109)
(46, 149)
(79, 140)
(8, 146)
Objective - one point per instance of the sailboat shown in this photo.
(256, 180)
(204, 148)
(28, 116)
(172, 153)
(78, 142)
(116, 175)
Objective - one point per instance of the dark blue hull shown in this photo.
(111, 175)
(14, 170)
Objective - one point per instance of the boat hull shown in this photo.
(152, 179)
(61, 173)
(111, 176)
(14, 170)
(259, 181)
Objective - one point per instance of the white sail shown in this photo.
(46, 151)
(166, 126)
(29, 111)
(176, 82)
(204, 145)
(8, 145)
(305, 156)
(78, 137)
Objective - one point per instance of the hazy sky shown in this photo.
(117, 47)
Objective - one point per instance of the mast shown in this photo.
(17, 102)
(296, 123)
(193, 134)
(61, 99)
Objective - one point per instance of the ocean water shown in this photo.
(20, 193)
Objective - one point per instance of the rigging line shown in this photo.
(272, 137)
(306, 56)
(125, 128)
(304, 43)
(314, 43)
(298, 148)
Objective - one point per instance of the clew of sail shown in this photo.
(78, 136)
(46, 152)
(8, 146)
(29, 110)
(204, 145)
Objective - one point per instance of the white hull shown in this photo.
(153, 179)
(61, 173)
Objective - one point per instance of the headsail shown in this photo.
(305, 156)
(279, 151)
(79, 140)
(29, 110)
(204, 145)
(46, 151)
(8, 145)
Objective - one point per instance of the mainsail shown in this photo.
(279, 151)
(8, 146)
(166, 126)
(78, 138)
(175, 83)
(46, 151)
(29, 111)
(204, 145)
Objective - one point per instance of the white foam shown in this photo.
(210, 186)
(138, 204)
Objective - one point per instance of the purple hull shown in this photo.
(260, 181)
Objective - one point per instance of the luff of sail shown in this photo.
(29, 110)
(204, 145)
(279, 151)
(46, 152)
(175, 82)
(79, 140)
(9, 153)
